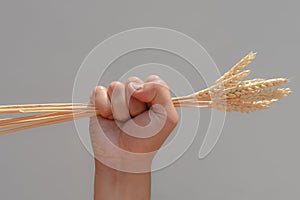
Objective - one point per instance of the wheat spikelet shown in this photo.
(250, 88)
(229, 93)
(238, 67)
(234, 79)
(267, 94)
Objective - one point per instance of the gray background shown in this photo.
(42, 44)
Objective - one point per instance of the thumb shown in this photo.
(155, 92)
(160, 118)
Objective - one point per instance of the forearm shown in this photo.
(111, 184)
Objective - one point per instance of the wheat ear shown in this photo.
(229, 93)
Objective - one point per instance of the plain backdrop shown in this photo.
(43, 43)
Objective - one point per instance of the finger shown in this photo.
(155, 91)
(101, 101)
(152, 78)
(135, 106)
(157, 94)
(116, 92)
(156, 80)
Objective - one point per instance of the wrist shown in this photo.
(102, 169)
(114, 184)
(130, 164)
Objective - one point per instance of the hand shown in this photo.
(133, 118)
(134, 121)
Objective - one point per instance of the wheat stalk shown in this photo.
(229, 93)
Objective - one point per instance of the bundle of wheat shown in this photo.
(229, 93)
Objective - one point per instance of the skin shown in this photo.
(116, 139)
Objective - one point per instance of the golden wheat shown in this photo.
(229, 93)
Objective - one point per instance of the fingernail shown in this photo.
(136, 86)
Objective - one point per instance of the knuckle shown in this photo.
(133, 79)
(96, 91)
(153, 77)
(156, 85)
(115, 88)
(159, 85)
(114, 84)
(99, 89)
(118, 86)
